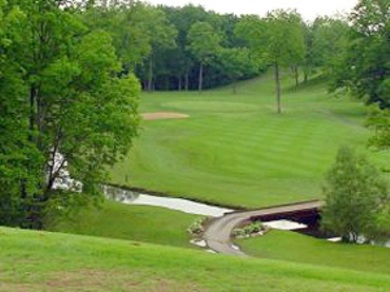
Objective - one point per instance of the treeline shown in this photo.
(187, 48)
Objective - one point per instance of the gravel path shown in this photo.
(217, 234)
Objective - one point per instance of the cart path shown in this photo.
(217, 233)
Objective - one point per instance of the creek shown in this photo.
(183, 205)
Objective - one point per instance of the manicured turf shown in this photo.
(38, 261)
(234, 150)
(295, 247)
(141, 223)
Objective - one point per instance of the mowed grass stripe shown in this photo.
(236, 144)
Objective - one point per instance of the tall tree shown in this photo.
(162, 37)
(379, 122)
(73, 105)
(355, 194)
(285, 44)
(365, 69)
(204, 43)
(278, 40)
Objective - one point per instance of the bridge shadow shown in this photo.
(309, 217)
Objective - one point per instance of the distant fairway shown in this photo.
(234, 150)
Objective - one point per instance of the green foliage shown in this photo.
(354, 195)
(196, 228)
(277, 40)
(248, 230)
(236, 62)
(204, 44)
(365, 66)
(284, 38)
(379, 122)
(60, 93)
(203, 41)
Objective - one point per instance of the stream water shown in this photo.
(186, 206)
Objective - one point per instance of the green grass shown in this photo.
(39, 261)
(140, 223)
(295, 247)
(234, 150)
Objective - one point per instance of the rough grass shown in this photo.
(234, 150)
(140, 223)
(295, 247)
(39, 261)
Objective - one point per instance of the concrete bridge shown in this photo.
(218, 233)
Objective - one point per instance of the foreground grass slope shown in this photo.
(140, 223)
(39, 261)
(234, 150)
(295, 247)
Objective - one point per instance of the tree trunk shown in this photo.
(150, 80)
(187, 80)
(234, 85)
(179, 85)
(305, 76)
(278, 89)
(296, 75)
(200, 78)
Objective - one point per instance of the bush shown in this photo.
(354, 194)
(248, 230)
(196, 228)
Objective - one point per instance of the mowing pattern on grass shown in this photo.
(236, 151)
(59, 262)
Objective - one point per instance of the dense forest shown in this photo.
(187, 48)
(71, 72)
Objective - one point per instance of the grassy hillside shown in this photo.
(234, 150)
(141, 223)
(295, 247)
(38, 261)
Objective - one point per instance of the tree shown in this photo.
(365, 68)
(379, 122)
(19, 159)
(236, 62)
(278, 40)
(354, 195)
(285, 44)
(162, 37)
(68, 101)
(204, 43)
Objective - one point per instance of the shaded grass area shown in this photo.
(234, 150)
(39, 261)
(295, 247)
(140, 223)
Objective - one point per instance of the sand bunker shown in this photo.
(163, 116)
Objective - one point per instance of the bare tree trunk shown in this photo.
(305, 76)
(187, 80)
(200, 78)
(234, 86)
(296, 75)
(278, 89)
(179, 85)
(150, 80)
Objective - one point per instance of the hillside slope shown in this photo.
(39, 261)
(235, 150)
